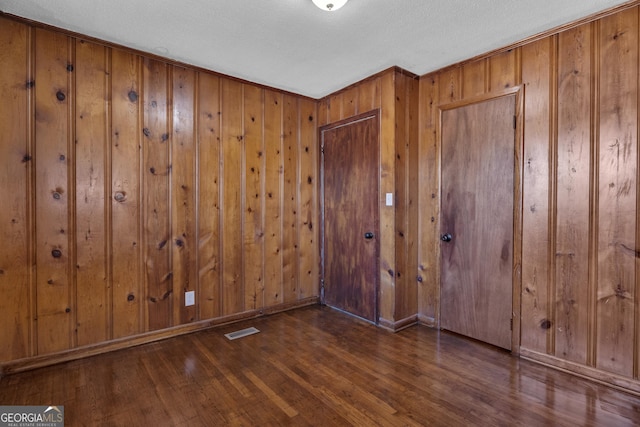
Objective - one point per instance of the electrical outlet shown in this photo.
(389, 199)
(189, 298)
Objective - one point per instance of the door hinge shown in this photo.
(515, 121)
(511, 323)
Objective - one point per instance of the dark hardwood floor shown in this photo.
(315, 366)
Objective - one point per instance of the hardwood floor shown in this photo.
(316, 366)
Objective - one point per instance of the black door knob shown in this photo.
(446, 237)
(368, 235)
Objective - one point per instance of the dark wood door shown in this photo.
(350, 207)
(478, 142)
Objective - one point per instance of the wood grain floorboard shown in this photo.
(315, 366)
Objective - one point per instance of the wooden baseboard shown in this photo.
(427, 321)
(27, 364)
(398, 325)
(607, 378)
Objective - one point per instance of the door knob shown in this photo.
(368, 235)
(446, 237)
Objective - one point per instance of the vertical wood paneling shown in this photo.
(290, 199)
(93, 313)
(157, 216)
(323, 112)
(537, 76)
(402, 197)
(350, 105)
(503, 70)
(232, 191)
(572, 175)
(413, 92)
(335, 108)
(54, 196)
(136, 180)
(617, 208)
(308, 255)
(147, 165)
(449, 85)
(474, 78)
(406, 305)
(254, 198)
(184, 242)
(579, 254)
(208, 198)
(368, 96)
(126, 210)
(387, 275)
(636, 366)
(15, 175)
(273, 195)
(429, 206)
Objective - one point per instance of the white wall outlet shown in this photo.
(189, 298)
(389, 199)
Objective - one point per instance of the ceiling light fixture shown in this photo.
(330, 5)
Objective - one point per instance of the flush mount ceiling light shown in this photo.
(330, 5)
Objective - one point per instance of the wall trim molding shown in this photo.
(592, 374)
(399, 325)
(427, 321)
(26, 364)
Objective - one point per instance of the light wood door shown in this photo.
(478, 143)
(350, 208)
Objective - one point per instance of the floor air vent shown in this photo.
(241, 333)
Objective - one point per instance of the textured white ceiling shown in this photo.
(293, 45)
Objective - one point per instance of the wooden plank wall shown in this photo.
(127, 181)
(580, 304)
(406, 200)
(395, 93)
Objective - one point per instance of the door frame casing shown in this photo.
(518, 91)
(375, 113)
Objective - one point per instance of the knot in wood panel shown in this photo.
(621, 292)
(545, 324)
(120, 196)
